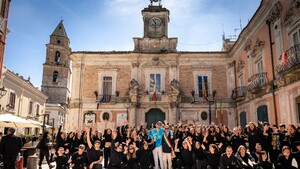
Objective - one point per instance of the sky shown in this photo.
(107, 25)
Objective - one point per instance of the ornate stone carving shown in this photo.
(275, 12)
(289, 15)
(247, 45)
(259, 45)
(240, 65)
(133, 91)
(135, 64)
(155, 62)
(202, 66)
(109, 66)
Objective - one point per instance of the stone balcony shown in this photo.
(239, 93)
(258, 82)
(292, 64)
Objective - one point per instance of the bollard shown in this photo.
(32, 162)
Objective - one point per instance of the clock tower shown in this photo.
(156, 19)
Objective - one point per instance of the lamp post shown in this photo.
(44, 120)
(211, 100)
(2, 92)
(127, 104)
(53, 121)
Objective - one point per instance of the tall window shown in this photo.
(55, 76)
(155, 83)
(57, 56)
(241, 80)
(203, 86)
(259, 66)
(30, 107)
(37, 109)
(12, 100)
(295, 38)
(107, 85)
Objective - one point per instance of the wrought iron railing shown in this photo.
(106, 98)
(258, 80)
(239, 92)
(292, 60)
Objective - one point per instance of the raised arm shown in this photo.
(88, 130)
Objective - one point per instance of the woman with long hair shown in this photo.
(213, 156)
(131, 161)
(247, 161)
(44, 150)
(263, 162)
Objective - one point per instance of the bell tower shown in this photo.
(156, 19)
(56, 69)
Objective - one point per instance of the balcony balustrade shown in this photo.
(257, 82)
(239, 93)
(292, 62)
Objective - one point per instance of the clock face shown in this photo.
(155, 22)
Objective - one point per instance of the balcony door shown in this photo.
(262, 113)
(243, 119)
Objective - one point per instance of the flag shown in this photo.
(283, 61)
(154, 94)
(221, 108)
(204, 92)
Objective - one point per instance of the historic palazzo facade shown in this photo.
(247, 81)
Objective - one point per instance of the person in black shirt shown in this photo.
(263, 162)
(60, 159)
(44, 150)
(95, 155)
(236, 140)
(247, 161)
(79, 159)
(285, 159)
(213, 155)
(131, 161)
(116, 152)
(10, 147)
(228, 160)
(144, 155)
(200, 157)
(186, 153)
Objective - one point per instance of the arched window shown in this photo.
(57, 56)
(262, 113)
(55, 76)
(243, 119)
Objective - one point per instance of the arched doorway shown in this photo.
(243, 119)
(153, 116)
(262, 114)
(298, 107)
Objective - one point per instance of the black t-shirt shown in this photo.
(187, 156)
(93, 155)
(79, 160)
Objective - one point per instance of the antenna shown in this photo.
(240, 22)
(223, 36)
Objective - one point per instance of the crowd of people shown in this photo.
(168, 146)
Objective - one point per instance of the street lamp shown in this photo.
(44, 120)
(2, 92)
(211, 100)
(127, 104)
(53, 121)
